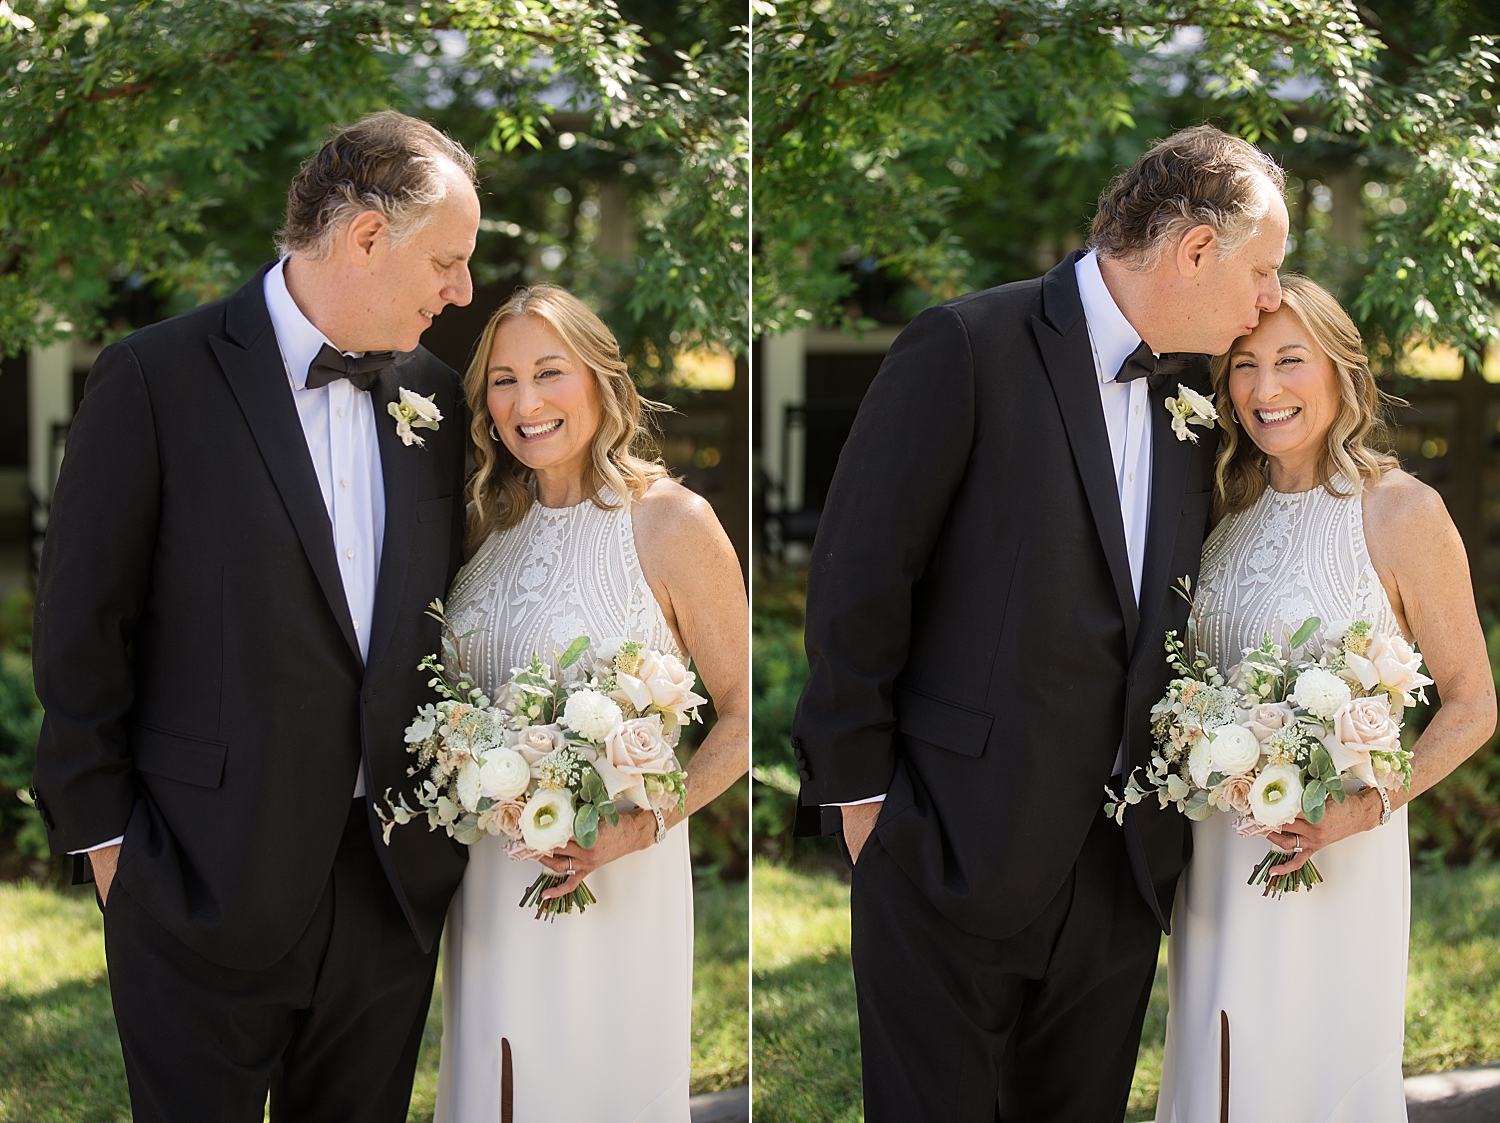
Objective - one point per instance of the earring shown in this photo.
(495, 433)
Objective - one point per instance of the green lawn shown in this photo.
(807, 1034)
(60, 1058)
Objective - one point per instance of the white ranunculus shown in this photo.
(503, 774)
(591, 715)
(547, 822)
(1200, 761)
(1320, 692)
(1276, 795)
(469, 785)
(1235, 750)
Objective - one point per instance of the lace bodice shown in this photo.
(561, 573)
(1267, 569)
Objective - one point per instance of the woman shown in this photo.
(576, 535)
(1316, 523)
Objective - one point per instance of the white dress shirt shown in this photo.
(1127, 416)
(339, 424)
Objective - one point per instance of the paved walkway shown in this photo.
(732, 1106)
(1465, 1095)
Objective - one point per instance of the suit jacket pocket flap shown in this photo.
(945, 724)
(176, 756)
(435, 510)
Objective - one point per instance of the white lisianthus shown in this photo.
(1200, 761)
(1321, 693)
(1276, 795)
(414, 411)
(1235, 750)
(503, 774)
(547, 822)
(469, 785)
(591, 715)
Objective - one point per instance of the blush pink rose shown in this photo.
(538, 742)
(1392, 663)
(1269, 718)
(661, 681)
(1360, 726)
(638, 746)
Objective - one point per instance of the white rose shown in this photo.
(1320, 692)
(1235, 750)
(503, 774)
(1268, 718)
(547, 821)
(1276, 796)
(591, 715)
(1200, 761)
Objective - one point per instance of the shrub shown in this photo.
(20, 722)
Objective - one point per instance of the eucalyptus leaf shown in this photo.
(574, 653)
(586, 825)
(1320, 764)
(1304, 633)
(1314, 798)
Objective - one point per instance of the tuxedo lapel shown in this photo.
(1063, 337)
(252, 364)
(1169, 463)
(398, 466)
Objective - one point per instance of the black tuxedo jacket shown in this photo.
(974, 641)
(203, 689)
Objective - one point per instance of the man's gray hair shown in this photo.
(1197, 177)
(388, 162)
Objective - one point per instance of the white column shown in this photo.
(783, 382)
(50, 389)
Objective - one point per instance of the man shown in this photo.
(228, 623)
(986, 602)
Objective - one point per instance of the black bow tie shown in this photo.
(1171, 365)
(331, 365)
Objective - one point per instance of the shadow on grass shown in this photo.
(807, 1042)
(59, 1056)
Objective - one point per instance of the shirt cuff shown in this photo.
(858, 802)
(100, 846)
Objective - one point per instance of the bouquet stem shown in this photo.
(1277, 884)
(548, 909)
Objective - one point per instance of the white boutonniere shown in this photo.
(414, 411)
(1188, 408)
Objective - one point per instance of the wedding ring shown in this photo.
(1298, 848)
(570, 867)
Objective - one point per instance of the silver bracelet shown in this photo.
(1385, 804)
(661, 824)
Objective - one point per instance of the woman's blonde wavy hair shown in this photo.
(1241, 473)
(624, 462)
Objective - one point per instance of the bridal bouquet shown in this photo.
(1279, 734)
(547, 759)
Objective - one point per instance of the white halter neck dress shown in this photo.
(1314, 984)
(596, 1006)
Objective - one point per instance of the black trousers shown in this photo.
(1042, 1027)
(332, 1030)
